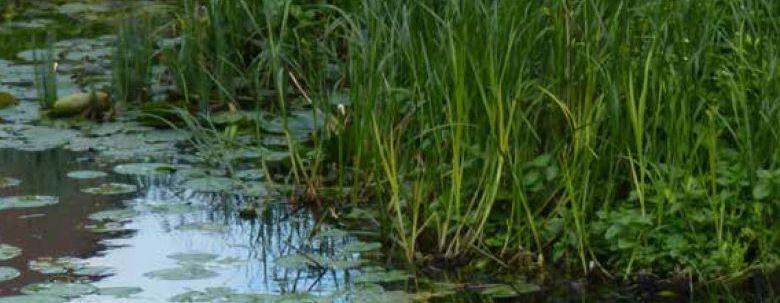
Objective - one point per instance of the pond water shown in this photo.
(124, 212)
(169, 240)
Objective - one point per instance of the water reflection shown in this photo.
(172, 220)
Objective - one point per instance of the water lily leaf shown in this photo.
(111, 189)
(509, 291)
(144, 169)
(32, 299)
(250, 175)
(168, 135)
(8, 252)
(27, 201)
(345, 264)
(106, 227)
(229, 117)
(298, 262)
(51, 266)
(186, 272)
(210, 294)
(331, 233)
(193, 257)
(93, 271)
(211, 184)
(115, 215)
(382, 297)
(76, 8)
(120, 292)
(8, 273)
(360, 246)
(254, 189)
(204, 227)
(6, 182)
(86, 174)
(59, 289)
(382, 276)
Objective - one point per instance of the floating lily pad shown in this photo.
(345, 264)
(211, 184)
(382, 276)
(204, 227)
(106, 227)
(9, 182)
(51, 266)
(144, 169)
(173, 208)
(93, 271)
(76, 8)
(115, 215)
(120, 292)
(8, 273)
(331, 233)
(8, 252)
(254, 189)
(32, 299)
(193, 257)
(166, 136)
(27, 201)
(298, 262)
(250, 175)
(509, 291)
(111, 189)
(360, 246)
(59, 289)
(86, 174)
(210, 294)
(186, 272)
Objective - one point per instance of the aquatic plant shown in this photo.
(46, 74)
(606, 138)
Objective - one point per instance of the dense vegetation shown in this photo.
(611, 138)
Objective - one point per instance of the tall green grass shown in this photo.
(597, 137)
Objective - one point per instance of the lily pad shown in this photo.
(211, 184)
(360, 246)
(382, 276)
(32, 299)
(509, 291)
(111, 189)
(27, 201)
(298, 262)
(106, 227)
(6, 182)
(51, 266)
(59, 289)
(86, 174)
(254, 189)
(204, 227)
(250, 175)
(186, 272)
(144, 169)
(120, 292)
(8, 273)
(210, 294)
(193, 257)
(8, 252)
(115, 215)
(171, 135)
(93, 271)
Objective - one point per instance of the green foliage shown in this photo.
(628, 136)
